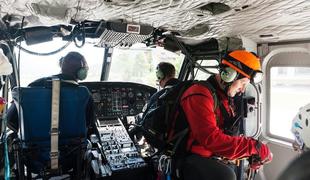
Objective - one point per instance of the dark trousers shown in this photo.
(201, 168)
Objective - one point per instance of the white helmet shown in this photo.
(301, 126)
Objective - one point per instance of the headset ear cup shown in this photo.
(159, 74)
(228, 74)
(82, 73)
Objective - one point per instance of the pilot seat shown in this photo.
(52, 137)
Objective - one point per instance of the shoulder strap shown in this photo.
(175, 104)
(55, 123)
(213, 92)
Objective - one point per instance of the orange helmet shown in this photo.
(245, 63)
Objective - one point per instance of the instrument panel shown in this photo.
(116, 99)
(114, 152)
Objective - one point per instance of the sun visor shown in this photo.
(5, 65)
(237, 43)
(38, 35)
(170, 45)
(50, 11)
(230, 44)
(208, 46)
(249, 44)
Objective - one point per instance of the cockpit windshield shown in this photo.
(139, 64)
(135, 64)
(34, 66)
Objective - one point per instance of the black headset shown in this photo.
(81, 73)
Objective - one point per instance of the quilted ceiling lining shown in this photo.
(259, 20)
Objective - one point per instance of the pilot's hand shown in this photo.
(264, 156)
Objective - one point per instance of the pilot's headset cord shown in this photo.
(79, 35)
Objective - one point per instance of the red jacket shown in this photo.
(208, 136)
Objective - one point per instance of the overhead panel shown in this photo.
(117, 33)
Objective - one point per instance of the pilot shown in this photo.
(211, 136)
(165, 74)
(73, 68)
(298, 168)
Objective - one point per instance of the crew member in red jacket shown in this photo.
(210, 137)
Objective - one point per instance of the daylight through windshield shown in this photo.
(34, 67)
(139, 64)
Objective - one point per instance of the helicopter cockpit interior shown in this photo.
(122, 42)
(112, 152)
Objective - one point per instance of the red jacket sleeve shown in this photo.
(201, 117)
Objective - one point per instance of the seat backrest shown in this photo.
(35, 110)
(34, 106)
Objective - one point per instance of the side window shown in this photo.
(286, 88)
(208, 65)
(289, 90)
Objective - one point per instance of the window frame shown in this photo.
(208, 67)
(270, 61)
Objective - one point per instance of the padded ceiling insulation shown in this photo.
(259, 20)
